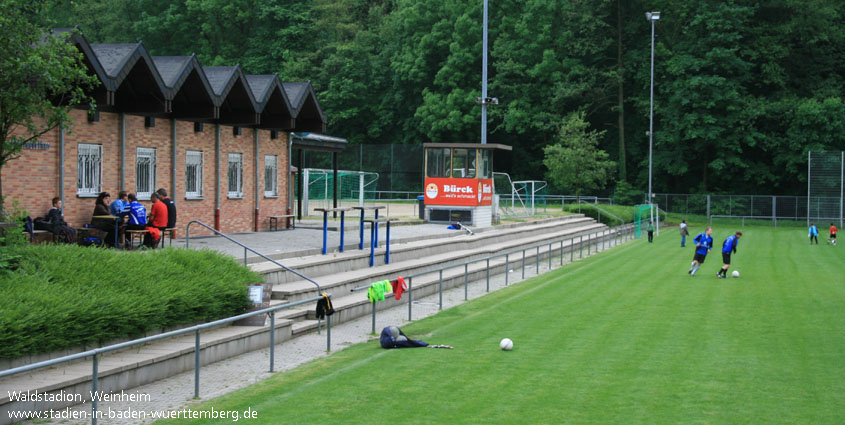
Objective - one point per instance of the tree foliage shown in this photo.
(41, 77)
(575, 161)
(742, 88)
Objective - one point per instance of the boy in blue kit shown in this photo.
(703, 243)
(728, 247)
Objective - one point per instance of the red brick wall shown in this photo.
(33, 179)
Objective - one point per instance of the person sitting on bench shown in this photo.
(58, 225)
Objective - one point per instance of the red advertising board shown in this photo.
(458, 191)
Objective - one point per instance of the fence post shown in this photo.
(94, 388)
(507, 268)
(488, 275)
(197, 365)
(523, 263)
(466, 281)
(410, 296)
(550, 255)
(581, 247)
(708, 208)
(272, 338)
(571, 250)
(774, 211)
(441, 290)
(374, 316)
(537, 262)
(589, 239)
(328, 333)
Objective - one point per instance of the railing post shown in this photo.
(523, 263)
(550, 255)
(272, 339)
(466, 281)
(561, 252)
(197, 364)
(361, 231)
(507, 268)
(328, 333)
(537, 262)
(374, 316)
(441, 290)
(488, 275)
(245, 257)
(94, 388)
(410, 296)
(581, 247)
(571, 250)
(589, 245)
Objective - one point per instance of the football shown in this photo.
(506, 344)
(735, 273)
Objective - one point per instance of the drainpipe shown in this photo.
(122, 135)
(255, 139)
(288, 175)
(217, 177)
(172, 190)
(62, 164)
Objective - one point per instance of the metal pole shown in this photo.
(507, 268)
(197, 364)
(374, 316)
(466, 281)
(537, 262)
(488, 275)
(272, 339)
(581, 247)
(328, 333)
(410, 296)
(523, 264)
(651, 119)
(440, 307)
(550, 256)
(94, 388)
(484, 78)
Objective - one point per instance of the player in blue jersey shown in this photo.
(728, 247)
(703, 244)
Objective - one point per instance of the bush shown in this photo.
(65, 296)
(625, 194)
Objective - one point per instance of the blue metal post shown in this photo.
(325, 230)
(387, 245)
(375, 226)
(342, 229)
(372, 245)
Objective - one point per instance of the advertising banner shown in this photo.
(458, 191)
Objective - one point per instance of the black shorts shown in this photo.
(699, 257)
(833, 236)
(726, 258)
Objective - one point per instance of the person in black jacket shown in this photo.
(171, 208)
(58, 225)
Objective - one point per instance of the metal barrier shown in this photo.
(95, 353)
(188, 245)
(618, 234)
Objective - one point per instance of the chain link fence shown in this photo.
(753, 207)
(399, 167)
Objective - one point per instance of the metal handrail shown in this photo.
(94, 354)
(188, 240)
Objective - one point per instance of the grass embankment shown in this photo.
(626, 337)
(65, 296)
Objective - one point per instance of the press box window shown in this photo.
(439, 162)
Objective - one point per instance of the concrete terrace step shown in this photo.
(346, 280)
(321, 265)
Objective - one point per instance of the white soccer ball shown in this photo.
(735, 273)
(506, 344)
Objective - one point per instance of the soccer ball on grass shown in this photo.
(506, 344)
(735, 273)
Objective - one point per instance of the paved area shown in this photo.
(303, 239)
(176, 393)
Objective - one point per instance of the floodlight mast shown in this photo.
(484, 80)
(652, 17)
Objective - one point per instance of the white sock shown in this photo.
(695, 268)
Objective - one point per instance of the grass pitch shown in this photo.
(625, 337)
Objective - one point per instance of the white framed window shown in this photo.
(236, 175)
(193, 174)
(145, 172)
(89, 170)
(271, 176)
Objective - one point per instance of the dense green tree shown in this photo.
(575, 161)
(41, 77)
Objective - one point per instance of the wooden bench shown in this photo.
(274, 221)
(130, 236)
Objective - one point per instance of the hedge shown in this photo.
(61, 296)
(625, 212)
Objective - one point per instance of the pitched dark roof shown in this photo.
(135, 82)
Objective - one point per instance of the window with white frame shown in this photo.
(236, 175)
(271, 176)
(145, 172)
(89, 173)
(193, 174)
